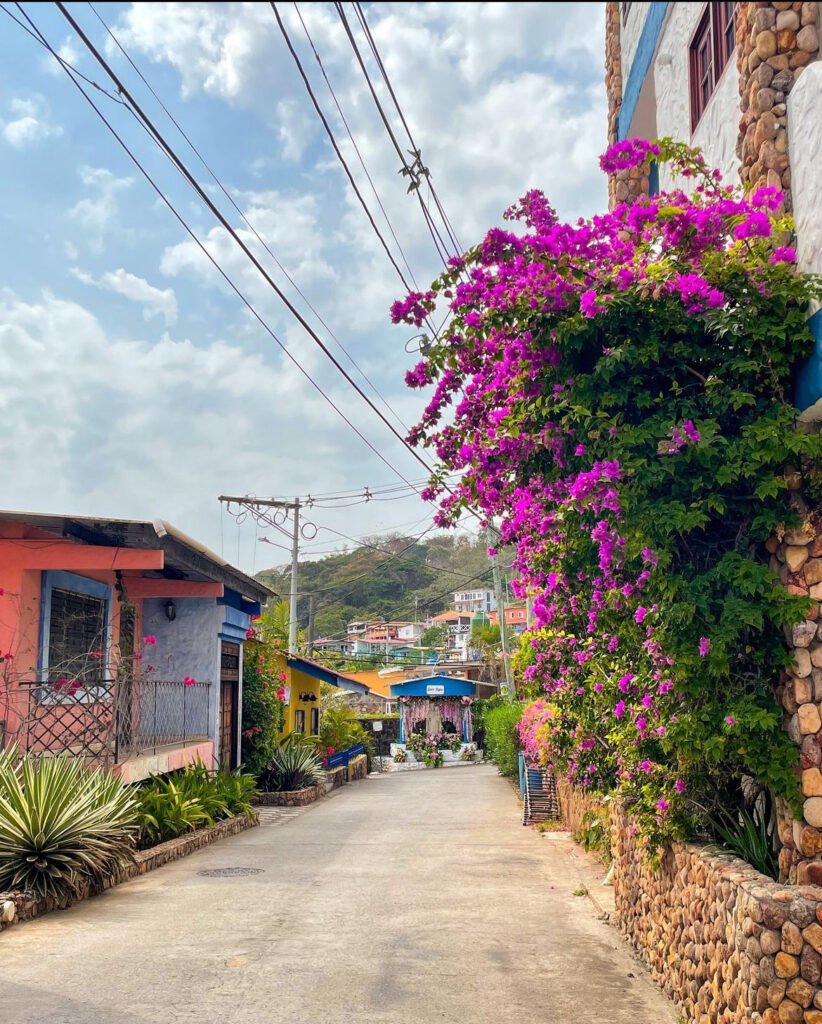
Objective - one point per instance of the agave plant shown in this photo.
(61, 825)
(293, 765)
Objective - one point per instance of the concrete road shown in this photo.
(413, 898)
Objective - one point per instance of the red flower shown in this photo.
(281, 676)
(189, 681)
(281, 693)
(95, 654)
(149, 639)
(331, 751)
(249, 633)
(1, 591)
(69, 686)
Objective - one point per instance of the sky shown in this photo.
(133, 381)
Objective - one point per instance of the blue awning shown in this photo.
(325, 675)
(434, 686)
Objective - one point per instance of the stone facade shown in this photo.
(796, 557)
(726, 943)
(774, 43)
(16, 907)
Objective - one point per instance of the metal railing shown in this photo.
(107, 721)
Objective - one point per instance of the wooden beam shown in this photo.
(139, 586)
(66, 556)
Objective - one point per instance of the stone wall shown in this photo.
(613, 82)
(293, 797)
(726, 943)
(774, 43)
(16, 907)
(573, 804)
(357, 768)
(796, 557)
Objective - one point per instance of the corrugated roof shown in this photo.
(188, 557)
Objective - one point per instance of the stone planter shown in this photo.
(293, 797)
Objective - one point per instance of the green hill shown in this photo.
(400, 579)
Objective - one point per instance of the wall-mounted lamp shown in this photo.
(171, 611)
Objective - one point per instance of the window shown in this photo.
(299, 721)
(315, 721)
(711, 47)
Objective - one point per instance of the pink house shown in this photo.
(120, 642)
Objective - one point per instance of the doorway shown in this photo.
(229, 702)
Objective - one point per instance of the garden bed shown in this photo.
(16, 907)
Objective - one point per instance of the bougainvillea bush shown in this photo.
(616, 392)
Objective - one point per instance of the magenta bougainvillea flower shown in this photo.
(613, 394)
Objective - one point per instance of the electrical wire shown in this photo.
(354, 144)
(137, 109)
(336, 147)
(358, 8)
(406, 171)
(248, 304)
(245, 219)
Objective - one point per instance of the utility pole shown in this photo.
(252, 504)
(310, 625)
(295, 561)
(492, 539)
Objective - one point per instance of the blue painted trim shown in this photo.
(646, 48)
(61, 580)
(233, 599)
(310, 669)
(808, 384)
(232, 633)
(418, 687)
(653, 179)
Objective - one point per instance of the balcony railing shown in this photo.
(108, 721)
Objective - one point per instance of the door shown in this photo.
(229, 702)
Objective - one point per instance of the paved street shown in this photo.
(412, 897)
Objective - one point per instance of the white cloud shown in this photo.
(68, 52)
(155, 301)
(95, 213)
(27, 122)
(127, 426)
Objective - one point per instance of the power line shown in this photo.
(354, 144)
(415, 150)
(205, 251)
(245, 219)
(228, 227)
(416, 168)
(333, 141)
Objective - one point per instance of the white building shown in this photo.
(741, 81)
(475, 601)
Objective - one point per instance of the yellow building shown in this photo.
(302, 685)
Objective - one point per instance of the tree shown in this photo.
(435, 636)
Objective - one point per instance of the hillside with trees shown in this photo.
(385, 577)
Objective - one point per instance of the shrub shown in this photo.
(400, 757)
(502, 738)
(339, 730)
(189, 799)
(263, 703)
(166, 813)
(61, 825)
(293, 765)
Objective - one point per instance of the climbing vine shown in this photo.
(616, 392)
